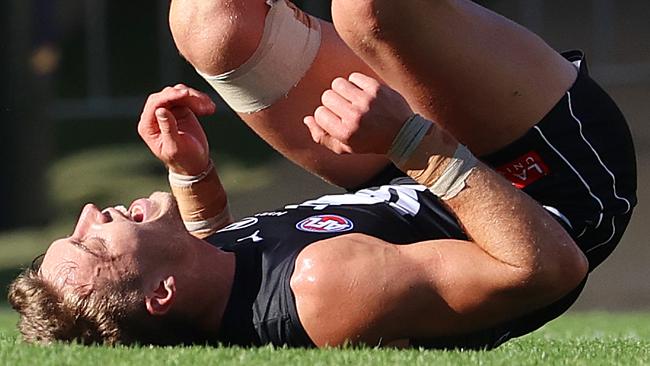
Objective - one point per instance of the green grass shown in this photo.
(575, 339)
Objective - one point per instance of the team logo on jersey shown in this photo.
(325, 224)
(525, 170)
(241, 224)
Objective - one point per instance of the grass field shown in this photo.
(575, 339)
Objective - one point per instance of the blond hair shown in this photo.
(114, 314)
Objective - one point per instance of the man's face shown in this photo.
(116, 243)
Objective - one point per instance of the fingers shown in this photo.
(320, 136)
(178, 96)
(200, 103)
(331, 123)
(365, 83)
(348, 90)
(168, 141)
(166, 123)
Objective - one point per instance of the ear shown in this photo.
(160, 301)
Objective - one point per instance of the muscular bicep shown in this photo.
(364, 290)
(464, 289)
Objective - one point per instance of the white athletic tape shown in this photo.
(219, 221)
(186, 181)
(452, 181)
(289, 45)
(408, 139)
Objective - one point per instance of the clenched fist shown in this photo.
(358, 115)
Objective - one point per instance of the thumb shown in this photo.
(166, 122)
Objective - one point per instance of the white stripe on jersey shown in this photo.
(405, 198)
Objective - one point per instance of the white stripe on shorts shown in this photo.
(611, 174)
(629, 206)
(600, 203)
(606, 241)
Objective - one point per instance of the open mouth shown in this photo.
(137, 213)
(140, 210)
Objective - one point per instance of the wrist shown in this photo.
(421, 143)
(433, 158)
(192, 169)
(180, 178)
(202, 201)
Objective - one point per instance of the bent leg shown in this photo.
(221, 35)
(480, 76)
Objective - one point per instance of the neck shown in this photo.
(205, 285)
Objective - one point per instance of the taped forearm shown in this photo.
(202, 201)
(432, 157)
(503, 221)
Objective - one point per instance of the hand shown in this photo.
(170, 128)
(359, 115)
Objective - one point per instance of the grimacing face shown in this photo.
(144, 241)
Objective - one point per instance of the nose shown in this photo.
(89, 215)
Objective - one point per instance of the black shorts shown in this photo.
(579, 163)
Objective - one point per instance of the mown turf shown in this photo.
(575, 339)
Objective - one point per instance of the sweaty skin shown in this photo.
(519, 258)
(524, 259)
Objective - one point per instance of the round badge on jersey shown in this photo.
(325, 224)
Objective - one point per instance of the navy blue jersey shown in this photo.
(262, 308)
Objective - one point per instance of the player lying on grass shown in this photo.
(385, 265)
(377, 266)
(578, 162)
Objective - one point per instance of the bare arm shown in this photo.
(519, 258)
(170, 128)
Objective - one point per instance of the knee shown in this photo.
(358, 21)
(354, 18)
(217, 36)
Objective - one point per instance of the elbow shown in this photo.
(555, 276)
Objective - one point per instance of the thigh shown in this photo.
(579, 163)
(479, 75)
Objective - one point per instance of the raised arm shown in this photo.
(170, 128)
(519, 258)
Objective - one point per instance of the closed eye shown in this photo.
(99, 248)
